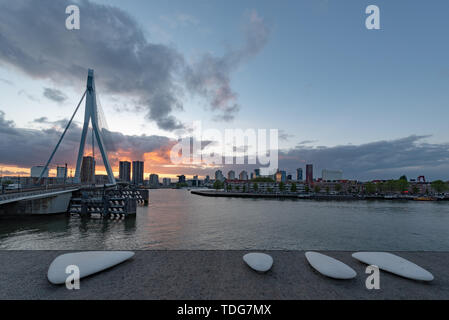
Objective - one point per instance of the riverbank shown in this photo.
(214, 193)
(216, 275)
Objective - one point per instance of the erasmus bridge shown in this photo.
(47, 201)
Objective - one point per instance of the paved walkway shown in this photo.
(216, 275)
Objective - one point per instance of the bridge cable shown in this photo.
(60, 139)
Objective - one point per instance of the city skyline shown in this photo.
(370, 103)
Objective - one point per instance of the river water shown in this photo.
(176, 219)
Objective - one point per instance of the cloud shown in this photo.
(55, 95)
(376, 160)
(28, 147)
(6, 81)
(34, 40)
(210, 76)
(384, 159)
(284, 136)
(179, 20)
(27, 95)
(306, 142)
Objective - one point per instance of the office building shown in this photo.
(101, 179)
(182, 179)
(195, 181)
(231, 175)
(88, 170)
(137, 177)
(243, 175)
(125, 171)
(281, 176)
(299, 174)
(61, 172)
(309, 173)
(219, 175)
(166, 182)
(331, 175)
(257, 173)
(36, 172)
(154, 180)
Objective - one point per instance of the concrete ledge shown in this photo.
(216, 275)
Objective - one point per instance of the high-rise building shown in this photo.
(195, 181)
(137, 172)
(36, 172)
(154, 180)
(309, 173)
(257, 173)
(243, 175)
(166, 182)
(125, 171)
(61, 172)
(231, 175)
(182, 179)
(281, 176)
(331, 175)
(88, 170)
(299, 174)
(219, 175)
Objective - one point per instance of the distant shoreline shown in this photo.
(213, 193)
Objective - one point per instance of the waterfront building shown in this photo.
(101, 179)
(36, 172)
(299, 174)
(138, 168)
(154, 180)
(331, 175)
(195, 182)
(207, 180)
(125, 171)
(262, 187)
(252, 175)
(88, 170)
(289, 177)
(61, 172)
(166, 182)
(181, 178)
(280, 176)
(309, 173)
(219, 175)
(243, 175)
(231, 175)
(257, 173)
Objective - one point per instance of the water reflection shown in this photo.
(176, 219)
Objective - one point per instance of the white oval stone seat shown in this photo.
(394, 264)
(329, 266)
(88, 262)
(260, 262)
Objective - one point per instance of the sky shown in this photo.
(373, 103)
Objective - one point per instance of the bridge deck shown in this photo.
(8, 198)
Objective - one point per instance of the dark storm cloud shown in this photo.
(381, 159)
(34, 39)
(28, 147)
(210, 75)
(55, 95)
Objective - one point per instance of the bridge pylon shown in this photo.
(91, 114)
